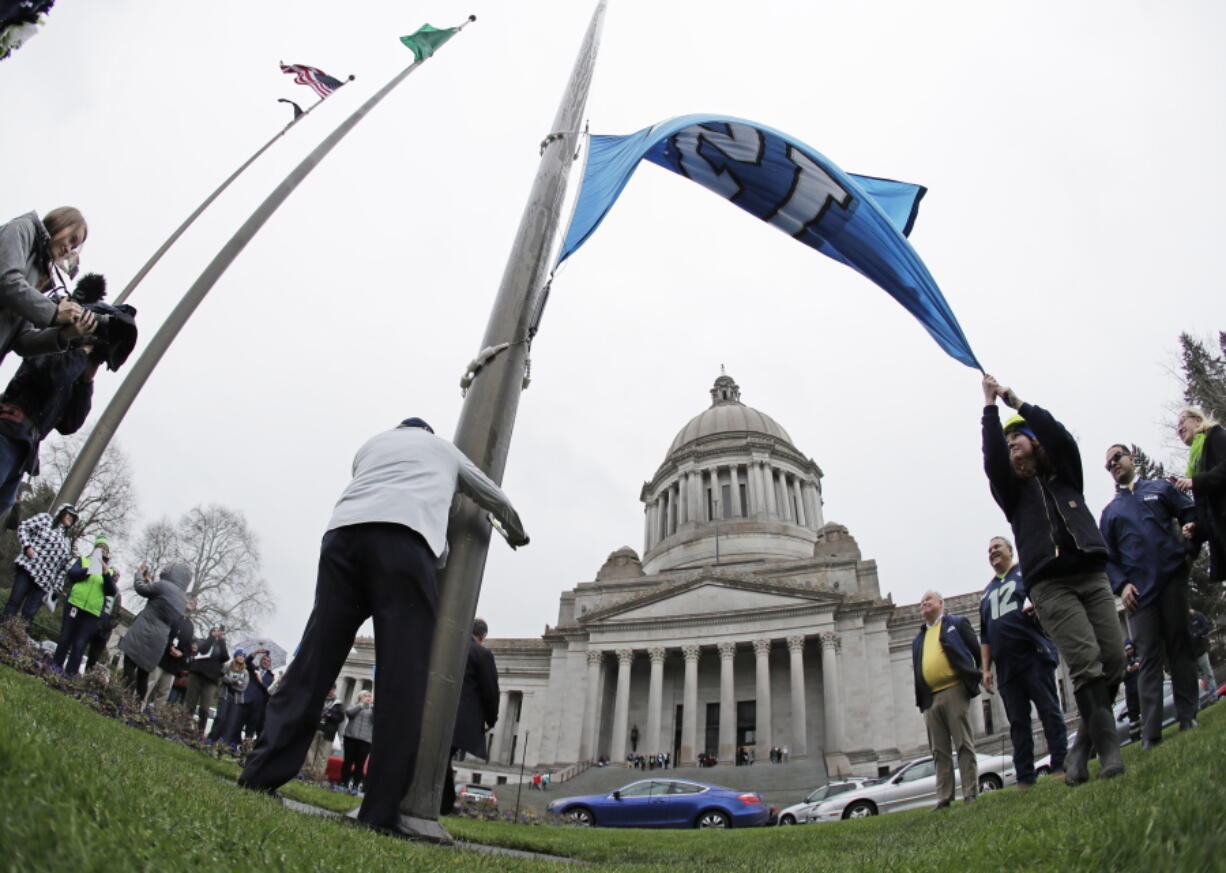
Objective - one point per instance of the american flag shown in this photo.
(317, 79)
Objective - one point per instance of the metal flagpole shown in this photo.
(157, 256)
(104, 430)
(484, 434)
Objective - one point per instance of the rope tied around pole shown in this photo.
(487, 354)
(558, 135)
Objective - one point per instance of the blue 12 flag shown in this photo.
(860, 221)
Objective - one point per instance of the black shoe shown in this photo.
(258, 789)
(942, 804)
(1189, 724)
(1149, 744)
(970, 799)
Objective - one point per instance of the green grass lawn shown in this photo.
(81, 792)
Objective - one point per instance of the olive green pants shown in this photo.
(1078, 613)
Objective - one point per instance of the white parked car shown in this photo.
(802, 813)
(911, 786)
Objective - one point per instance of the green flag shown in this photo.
(427, 39)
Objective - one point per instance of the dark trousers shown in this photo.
(1162, 628)
(354, 768)
(222, 717)
(250, 719)
(1131, 698)
(1035, 683)
(382, 570)
(135, 678)
(26, 597)
(75, 630)
(97, 647)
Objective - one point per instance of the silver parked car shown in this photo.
(801, 813)
(911, 786)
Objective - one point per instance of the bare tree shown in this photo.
(107, 504)
(224, 555)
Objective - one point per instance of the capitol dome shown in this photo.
(733, 489)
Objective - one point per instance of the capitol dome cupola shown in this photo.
(732, 489)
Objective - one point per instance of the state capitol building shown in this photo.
(748, 621)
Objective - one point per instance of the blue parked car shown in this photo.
(666, 803)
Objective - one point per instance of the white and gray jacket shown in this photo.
(52, 550)
(409, 476)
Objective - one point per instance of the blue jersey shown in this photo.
(1013, 634)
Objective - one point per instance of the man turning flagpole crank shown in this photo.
(379, 558)
(1034, 469)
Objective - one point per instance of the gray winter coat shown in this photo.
(25, 313)
(145, 640)
(361, 725)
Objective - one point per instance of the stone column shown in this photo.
(800, 726)
(801, 515)
(836, 762)
(621, 709)
(785, 505)
(768, 489)
(735, 490)
(652, 526)
(646, 527)
(500, 730)
(671, 523)
(762, 653)
(696, 496)
(655, 695)
(727, 705)
(689, 708)
(813, 510)
(590, 736)
(715, 491)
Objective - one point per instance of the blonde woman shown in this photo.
(1205, 478)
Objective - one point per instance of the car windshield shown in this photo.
(828, 791)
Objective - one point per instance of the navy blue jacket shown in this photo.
(1014, 635)
(1139, 527)
(961, 647)
(1045, 510)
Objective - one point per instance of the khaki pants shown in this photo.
(1078, 613)
(160, 683)
(317, 758)
(949, 731)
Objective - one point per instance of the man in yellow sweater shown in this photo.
(945, 657)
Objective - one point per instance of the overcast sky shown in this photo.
(1073, 155)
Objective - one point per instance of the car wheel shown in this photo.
(859, 809)
(788, 819)
(713, 818)
(581, 816)
(1042, 771)
(989, 782)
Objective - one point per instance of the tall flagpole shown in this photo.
(102, 433)
(484, 434)
(157, 256)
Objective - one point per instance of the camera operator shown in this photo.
(55, 392)
(31, 323)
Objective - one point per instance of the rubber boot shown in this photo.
(1077, 763)
(1103, 731)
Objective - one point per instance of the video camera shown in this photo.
(114, 337)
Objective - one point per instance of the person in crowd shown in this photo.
(178, 688)
(48, 392)
(92, 580)
(233, 683)
(175, 657)
(204, 671)
(379, 558)
(945, 661)
(145, 640)
(326, 726)
(478, 707)
(1132, 698)
(1200, 627)
(255, 698)
(46, 552)
(1034, 470)
(1205, 480)
(31, 250)
(1025, 659)
(107, 621)
(359, 728)
(1148, 567)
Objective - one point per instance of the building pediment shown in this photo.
(709, 597)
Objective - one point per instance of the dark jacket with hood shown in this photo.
(145, 640)
(1054, 531)
(47, 393)
(181, 636)
(961, 647)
